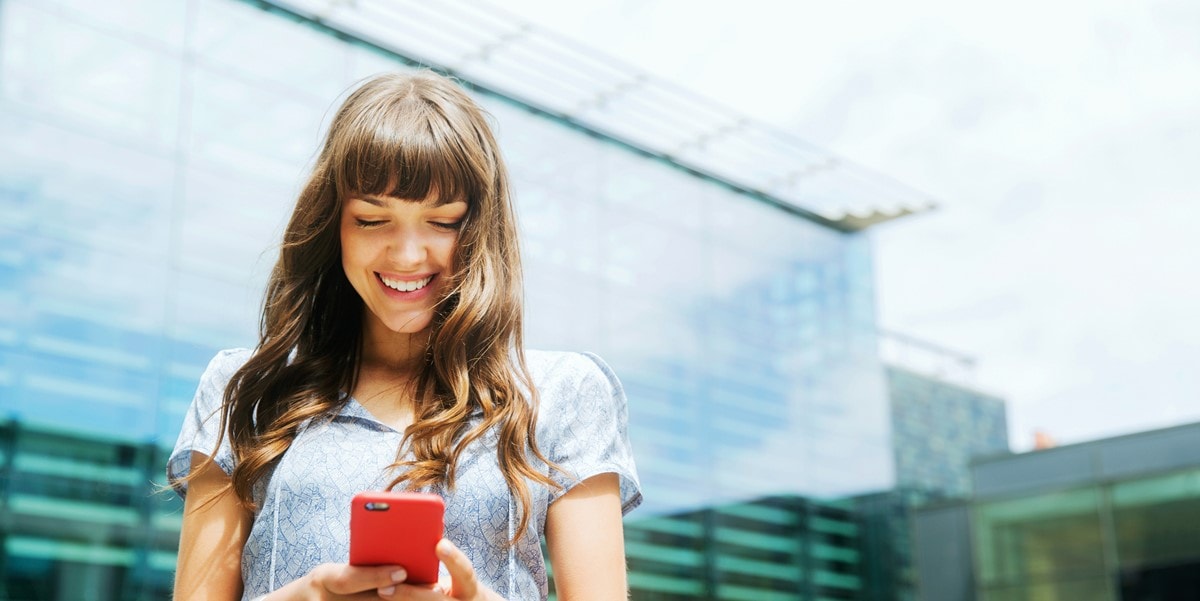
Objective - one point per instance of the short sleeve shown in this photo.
(584, 427)
(202, 421)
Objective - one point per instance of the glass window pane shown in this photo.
(96, 195)
(270, 50)
(1054, 536)
(88, 77)
(232, 128)
(1091, 589)
(160, 22)
(1157, 520)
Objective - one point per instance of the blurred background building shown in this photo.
(149, 155)
(150, 152)
(1106, 520)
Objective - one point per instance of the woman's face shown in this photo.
(398, 255)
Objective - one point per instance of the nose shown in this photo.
(408, 250)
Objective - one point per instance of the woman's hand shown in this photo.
(339, 581)
(462, 583)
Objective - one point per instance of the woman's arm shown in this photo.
(587, 541)
(215, 527)
(587, 550)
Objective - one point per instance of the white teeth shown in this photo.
(404, 286)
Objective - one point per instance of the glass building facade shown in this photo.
(1131, 538)
(1111, 520)
(80, 518)
(772, 548)
(149, 154)
(938, 428)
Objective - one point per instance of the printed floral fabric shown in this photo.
(304, 506)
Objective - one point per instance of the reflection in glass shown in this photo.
(1157, 521)
(143, 186)
(87, 76)
(1049, 536)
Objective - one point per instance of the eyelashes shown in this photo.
(372, 223)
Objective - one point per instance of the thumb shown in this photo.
(463, 582)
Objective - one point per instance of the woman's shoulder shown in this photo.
(553, 367)
(222, 367)
(559, 373)
(583, 421)
(227, 361)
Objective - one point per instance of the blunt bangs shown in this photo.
(401, 146)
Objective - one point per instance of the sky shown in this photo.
(1060, 139)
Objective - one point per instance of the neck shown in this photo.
(395, 351)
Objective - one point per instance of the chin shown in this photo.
(409, 324)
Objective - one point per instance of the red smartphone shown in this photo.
(397, 528)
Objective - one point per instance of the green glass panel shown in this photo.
(752, 593)
(1163, 489)
(829, 553)
(685, 557)
(54, 550)
(1088, 589)
(1045, 536)
(167, 521)
(668, 526)
(844, 504)
(67, 468)
(72, 510)
(1157, 520)
(834, 527)
(780, 571)
(162, 561)
(761, 513)
(833, 580)
(664, 584)
(756, 540)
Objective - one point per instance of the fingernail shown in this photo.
(399, 575)
(387, 590)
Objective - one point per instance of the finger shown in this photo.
(464, 584)
(343, 579)
(444, 585)
(411, 592)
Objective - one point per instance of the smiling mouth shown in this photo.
(405, 285)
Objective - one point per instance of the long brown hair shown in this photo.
(404, 136)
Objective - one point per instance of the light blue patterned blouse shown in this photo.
(304, 512)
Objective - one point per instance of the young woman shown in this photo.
(390, 357)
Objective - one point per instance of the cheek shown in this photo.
(354, 254)
(448, 253)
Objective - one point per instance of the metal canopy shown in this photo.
(493, 49)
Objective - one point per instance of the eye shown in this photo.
(369, 223)
(446, 225)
